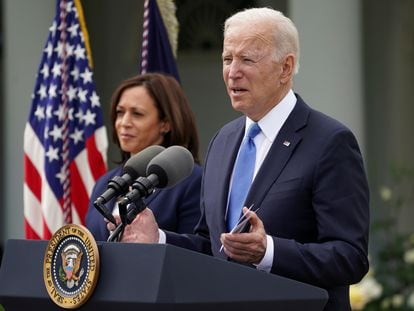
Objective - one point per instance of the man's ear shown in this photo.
(287, 68)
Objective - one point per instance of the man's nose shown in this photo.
(234, 70)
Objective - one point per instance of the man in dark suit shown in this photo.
(310, 214)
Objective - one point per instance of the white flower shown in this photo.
(371, 287)
(385, 304)
(397, 300)
(410, 301)
(365, 291)
(385, 193)
(411, 238)
(409, 256)
(357, 298)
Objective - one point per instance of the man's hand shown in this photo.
(144, 228)
(246, 247)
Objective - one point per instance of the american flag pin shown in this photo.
(286, 143)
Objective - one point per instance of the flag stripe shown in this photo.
(34, 224)
(33, 147)
(47, 234)
(95, 158)
(75, 216)
(86, 175)
(33, 179)
(79, 193)
(65, 140)
(30, 233)
(51, 209)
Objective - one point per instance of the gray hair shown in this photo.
(285, 34)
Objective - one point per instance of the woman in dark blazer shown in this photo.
(152, 109)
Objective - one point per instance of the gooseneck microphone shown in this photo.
(135, 166)
(165, 170)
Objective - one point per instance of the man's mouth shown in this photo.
(237, 90)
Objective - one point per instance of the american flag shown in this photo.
(65, 141)
(159, 39)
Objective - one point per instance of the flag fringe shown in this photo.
(84, 30)
(167, 9)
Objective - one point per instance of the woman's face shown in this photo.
(137, 121)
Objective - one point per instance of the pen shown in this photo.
(241, 223)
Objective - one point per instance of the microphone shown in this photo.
(165, 170)
(119, 185)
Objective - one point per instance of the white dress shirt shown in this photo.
(270, 125)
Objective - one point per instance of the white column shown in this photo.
(26, 26)
(330, 77)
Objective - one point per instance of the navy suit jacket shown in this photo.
(176, 208)
(313, 197)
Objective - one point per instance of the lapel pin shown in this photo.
(286, 143)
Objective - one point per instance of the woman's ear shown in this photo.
(165, 127)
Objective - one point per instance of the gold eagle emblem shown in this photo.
(71, 260)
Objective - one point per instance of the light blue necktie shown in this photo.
(242, 176)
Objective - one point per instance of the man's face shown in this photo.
(250, 72)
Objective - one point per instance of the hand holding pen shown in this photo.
(249, 247)
(242, 222)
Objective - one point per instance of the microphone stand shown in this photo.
(100, 206)
(133, 209)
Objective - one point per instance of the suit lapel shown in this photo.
(279, 154)
(230, 148)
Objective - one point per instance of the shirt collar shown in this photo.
(273, 121)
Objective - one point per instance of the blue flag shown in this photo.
(157, 54)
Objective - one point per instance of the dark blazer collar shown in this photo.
(280, 152)
(274, 162)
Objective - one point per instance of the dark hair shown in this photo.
(172, 106)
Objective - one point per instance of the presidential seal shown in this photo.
(71, 266)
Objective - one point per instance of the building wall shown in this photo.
(389, 74)
(25, 27)
(331, 73)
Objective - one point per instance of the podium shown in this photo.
(156, 277)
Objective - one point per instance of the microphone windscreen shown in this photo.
(171, 166)
(136, 165)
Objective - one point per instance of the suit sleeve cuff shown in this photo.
(266, 263)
